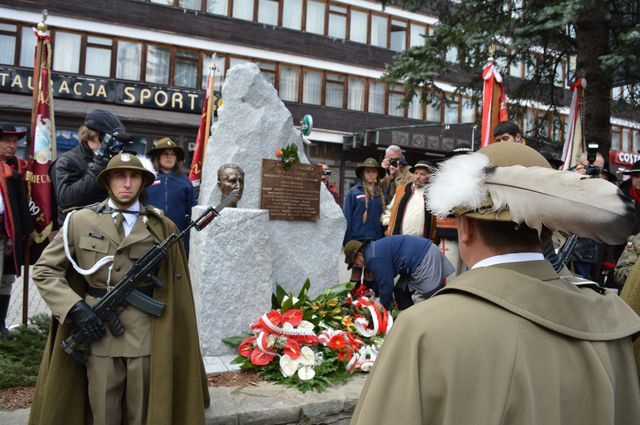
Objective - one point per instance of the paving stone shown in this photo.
(214, 365)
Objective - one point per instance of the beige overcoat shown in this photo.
(507, 344)
(179, 391)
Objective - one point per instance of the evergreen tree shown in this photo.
(600, 40)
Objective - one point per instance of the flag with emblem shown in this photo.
(574, 138)
(494, 102)
(205, 128)
(42, 149)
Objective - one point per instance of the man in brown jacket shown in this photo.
(511, 341)
(134, 377)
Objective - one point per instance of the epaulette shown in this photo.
(93, 207)
(151, 210)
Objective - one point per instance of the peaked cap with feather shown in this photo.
(513, 182)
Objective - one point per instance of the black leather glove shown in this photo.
(86, 320)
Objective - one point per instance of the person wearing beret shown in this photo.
(172, 190)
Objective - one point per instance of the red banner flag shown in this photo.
(42, 150)
(204, 131)
(494, 102)
(574, 139)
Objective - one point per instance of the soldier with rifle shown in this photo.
(118, 286)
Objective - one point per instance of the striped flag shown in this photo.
(494, 102)
(204, 131)
(42, 150)
(574, 137)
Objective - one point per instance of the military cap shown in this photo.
(351, 249)
(166, 143)
(125, 161)
(370, 163)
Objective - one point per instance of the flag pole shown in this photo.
(195, 174)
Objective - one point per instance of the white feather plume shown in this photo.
(148, 164)
(458, 182)
(562, 200)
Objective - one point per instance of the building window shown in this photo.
(396, 94)
(358, 26)
(626, 139)
(379, 30)
(433, 112)
(467, 111)
(398, 35)
(355, 99)
(268, 70)
(237, 61)
(334, 91)
(415, 108)
(217, 7)
(243, 9)
(186, 69)
(615, 139)
(98, 56)
(190, 4)
(292, 14)
(157, 65)
(515, 69)
(7, 43)
(337, 21)
(129, 60)
(268, 12)
(452, 55)
(289, 83)
(451, 110)
(315, 17)
(218, 76)
(164, 2)
(66, 52)
(636, 141)
(417, 35)
(27, 47)
(376, 97)
(311, 87)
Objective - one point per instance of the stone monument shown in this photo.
(237, 260)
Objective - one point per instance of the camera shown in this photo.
(394, 162)
(326, 172)
(112, 144)
(592, 152)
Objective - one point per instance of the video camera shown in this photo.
(112, 144)
(326, 172)
(592, 153)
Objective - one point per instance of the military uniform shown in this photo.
(140, 359)
(627, 260)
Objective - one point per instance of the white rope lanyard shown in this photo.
(102, 262)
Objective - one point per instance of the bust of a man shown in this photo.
(231, 177)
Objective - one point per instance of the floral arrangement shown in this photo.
(312, 343)
(288, 155)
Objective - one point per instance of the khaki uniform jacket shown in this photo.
(631, 295)
(179, 390)
(507, 344)
(626, 261)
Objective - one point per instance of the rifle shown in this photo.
(125, 292)
(568, 248)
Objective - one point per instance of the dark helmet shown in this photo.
(125, 161)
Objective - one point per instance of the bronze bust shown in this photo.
(231, 177)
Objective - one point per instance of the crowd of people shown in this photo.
(493, 345)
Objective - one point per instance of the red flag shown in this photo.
(203, 132)
(494, 102)
(42, 150)
(574, 139)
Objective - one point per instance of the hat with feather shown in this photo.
(513, 182)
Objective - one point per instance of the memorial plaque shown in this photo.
(293, 194)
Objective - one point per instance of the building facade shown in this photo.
(148, 61)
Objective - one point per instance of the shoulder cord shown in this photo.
(103, 261)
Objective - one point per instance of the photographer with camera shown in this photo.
(398, 171)
(74, 173)
(333, 190)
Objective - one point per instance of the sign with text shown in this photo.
(18, 80)
(291, 195)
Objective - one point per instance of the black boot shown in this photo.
(4, 308)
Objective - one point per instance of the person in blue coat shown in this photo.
(363, 207)
(172, 190)
(419, 262)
